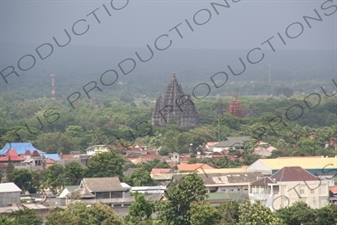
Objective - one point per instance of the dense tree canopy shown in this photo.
(106, 164)
(84, 214)
(140, 210)
(179, 197)
(20, 217)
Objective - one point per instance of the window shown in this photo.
(276, 189)
(301, 191)
(116, 194)
(102, 194)
(312, 191)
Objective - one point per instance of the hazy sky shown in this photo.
(161, 24)
(246, 24)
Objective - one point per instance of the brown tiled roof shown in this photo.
(67, 156)
(35, 153)
(294, 173)
(83, 192)
(102, 184)
(132, 155)
(262, 182)
(185, 158)
(27, 152)
(151, 157)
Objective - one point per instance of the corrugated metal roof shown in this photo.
(304, 162)
(20, 148)
(147, 188)
(223, 170)
(9, 187)
(224, 179)
(232, 142)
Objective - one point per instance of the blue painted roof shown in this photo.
(20, 148)
(54, 157)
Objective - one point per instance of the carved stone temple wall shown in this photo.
(175, 106)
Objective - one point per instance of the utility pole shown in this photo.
(269, 80)
(52, 86)
(219, 129)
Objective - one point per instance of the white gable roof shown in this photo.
(9, 187)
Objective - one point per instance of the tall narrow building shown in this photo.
(176, 106)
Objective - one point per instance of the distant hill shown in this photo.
(76, 66)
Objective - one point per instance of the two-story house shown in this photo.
(289, 185)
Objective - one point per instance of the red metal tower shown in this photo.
(52, 86)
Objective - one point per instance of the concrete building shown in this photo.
(325, 168)
(226, 182)
(289, 185)
(95, 149)
(9, 194)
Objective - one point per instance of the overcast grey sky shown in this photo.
(217, 24)
(246, 24)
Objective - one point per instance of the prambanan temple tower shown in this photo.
(176, 106)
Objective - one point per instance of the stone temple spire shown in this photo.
(176, 106)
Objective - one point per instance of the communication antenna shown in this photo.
(52, 85)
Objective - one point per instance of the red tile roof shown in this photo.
(67, 156)
(50, 161)
(12, 155)
(160, 170)
(172, 164)
(333, 189)
(193, 167)
(294, 173)
(185, 159)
